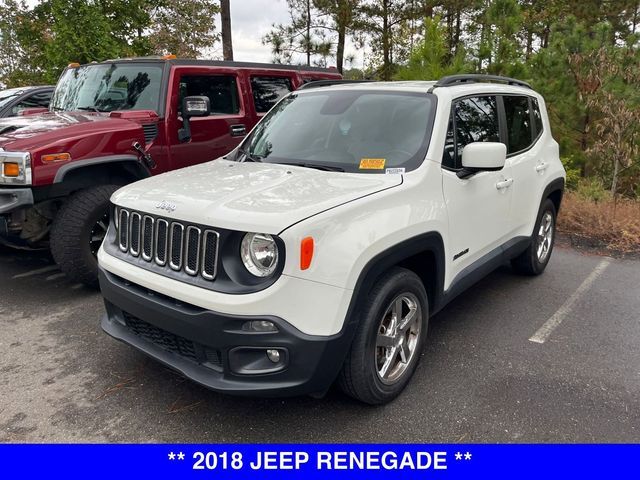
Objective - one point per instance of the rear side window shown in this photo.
(37, 100)
(537, 116)
(268, 90)
(519, 127)
(474, 119)
(221, 90)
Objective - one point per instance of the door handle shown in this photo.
(541, 167)
(504, 184)
(238, 130)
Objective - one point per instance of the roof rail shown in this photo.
(328, 83)
(478, 78)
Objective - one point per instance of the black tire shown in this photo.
(360, 376)
(71, 233)
(528, 262)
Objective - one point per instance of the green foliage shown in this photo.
(573, 171)
(78, 31)
(183, 28)
(592, 189)
(36, 44)
(431, 59)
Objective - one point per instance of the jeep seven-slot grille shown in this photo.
(171, 244)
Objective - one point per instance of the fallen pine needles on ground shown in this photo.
(605, 224)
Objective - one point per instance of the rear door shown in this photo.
(526, 154)
(268, 88)
(478, 207)
(220, 132)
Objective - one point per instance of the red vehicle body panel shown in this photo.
(90, 136)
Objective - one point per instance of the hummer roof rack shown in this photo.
(451, 80)
(328, 83)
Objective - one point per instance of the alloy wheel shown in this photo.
(545, 237)
(398, 337)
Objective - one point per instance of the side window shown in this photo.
(537, 116)
(268, 90)
(37, 100)
(475, 119)
(221, 90)
(519, 128)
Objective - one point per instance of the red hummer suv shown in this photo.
(116, 122)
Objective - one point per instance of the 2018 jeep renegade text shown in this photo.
(116, 122)
(318, 249)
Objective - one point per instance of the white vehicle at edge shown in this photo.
(318, 249)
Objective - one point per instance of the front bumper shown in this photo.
(202, 344)
(14, 198)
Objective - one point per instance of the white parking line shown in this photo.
(48, 269)
(556, 319)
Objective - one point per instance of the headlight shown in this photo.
(15, 168)
(259, 254)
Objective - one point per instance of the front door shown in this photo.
(220, 132)
(478, 207)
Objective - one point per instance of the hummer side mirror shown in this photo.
(193, 106)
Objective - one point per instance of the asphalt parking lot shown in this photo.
(481, 378)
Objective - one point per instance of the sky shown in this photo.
(251, 20)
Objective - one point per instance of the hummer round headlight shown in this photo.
(259, 254)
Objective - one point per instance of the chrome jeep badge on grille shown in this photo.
(164, 205)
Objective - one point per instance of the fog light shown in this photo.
(273, 355)
(260, 326)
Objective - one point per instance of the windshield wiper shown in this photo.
(317, 166)
(248, 157)
(89, 109)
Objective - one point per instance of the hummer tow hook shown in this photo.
(144, 156)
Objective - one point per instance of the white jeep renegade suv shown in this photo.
(318, 249)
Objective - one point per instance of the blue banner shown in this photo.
(335, 461)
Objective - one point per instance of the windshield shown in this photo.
(354, 131)
(108, 87)
(7, 95)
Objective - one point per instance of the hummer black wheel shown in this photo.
(78, 230)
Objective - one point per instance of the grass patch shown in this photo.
(602, 223)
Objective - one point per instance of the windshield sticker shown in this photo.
(372, 163)
(391, 171)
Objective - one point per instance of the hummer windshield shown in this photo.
(108, 87)
(345, 130)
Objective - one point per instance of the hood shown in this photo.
(25, 133)
(252, 197)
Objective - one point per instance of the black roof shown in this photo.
(220, 63)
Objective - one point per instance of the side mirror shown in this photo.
(194, 106)
(482, 156)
